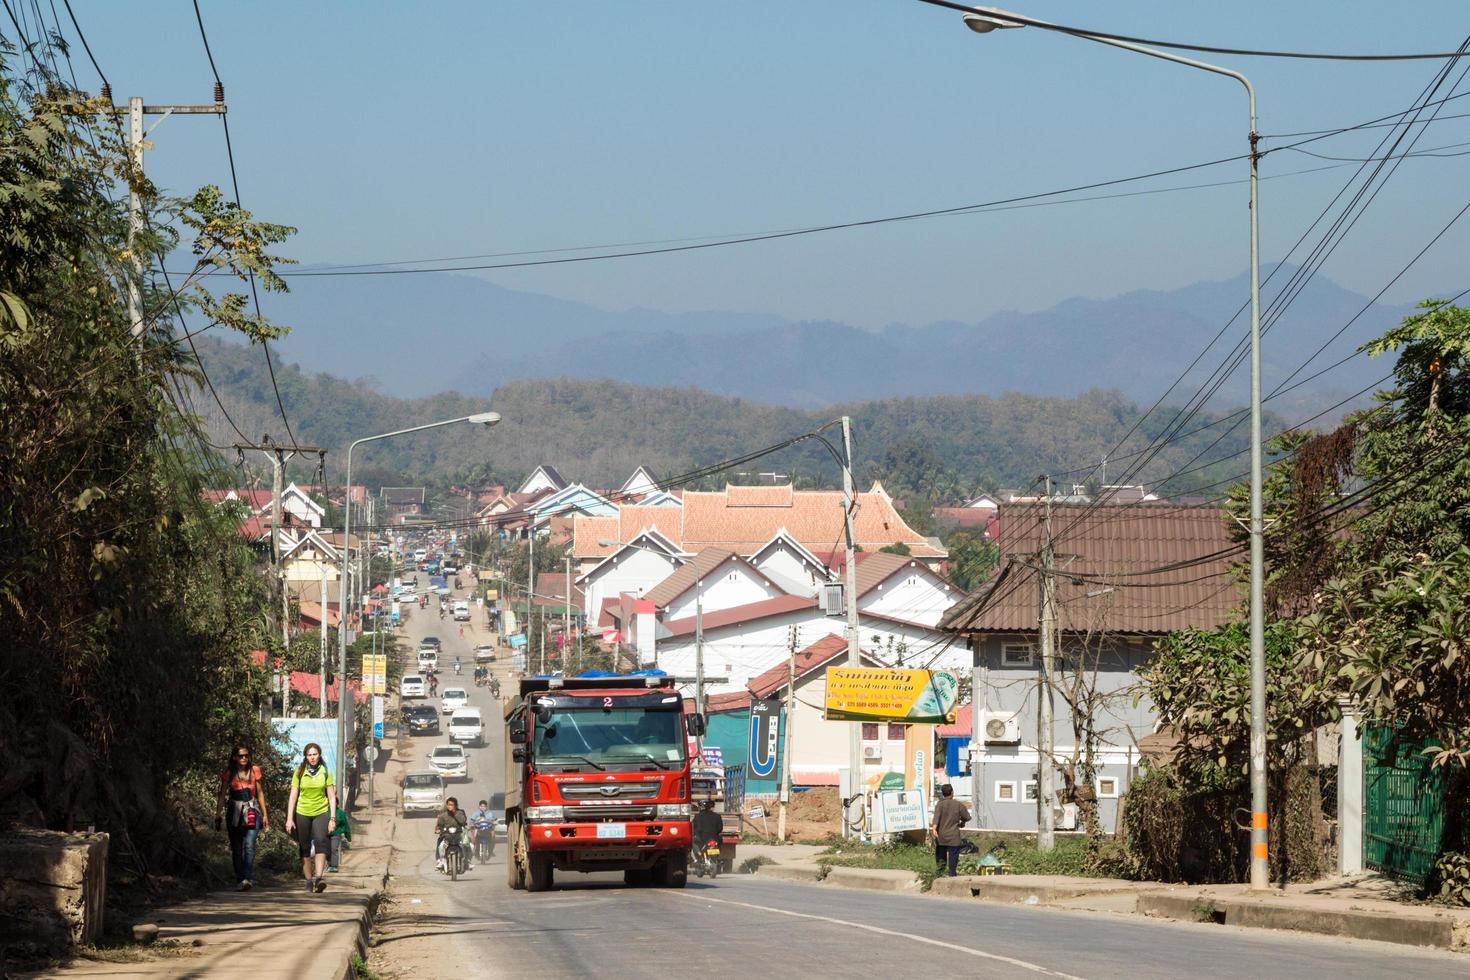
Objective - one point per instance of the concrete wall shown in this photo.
(53, 888)
(635, 571)
(1006, 688)
(913, 593)
(740, 652)
(782, 561)
(729, 585)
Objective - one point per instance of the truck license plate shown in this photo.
(617, 830)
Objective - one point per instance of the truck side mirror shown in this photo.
(518, 754)
(517, 736)
(695, 724)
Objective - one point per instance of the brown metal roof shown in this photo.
(1111, 571)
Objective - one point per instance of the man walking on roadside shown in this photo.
(949, 816)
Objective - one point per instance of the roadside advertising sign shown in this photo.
(765, 728)
(375, 673)
(492, 594)
(900, 810)
(713, 756)
(897, 694)
(377, 718)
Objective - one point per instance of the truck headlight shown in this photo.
(543, 814)
(673, 811)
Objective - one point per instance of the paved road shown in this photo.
(594, 926)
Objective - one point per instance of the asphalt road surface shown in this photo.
(594, 926)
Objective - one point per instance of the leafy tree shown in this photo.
(130, 607)
(971, 559)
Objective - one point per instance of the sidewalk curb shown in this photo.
(808, 873)
(1410, 927)
(1023, 888)
(874, 879)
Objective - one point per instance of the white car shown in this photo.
(462, 612)
(428, 659)
(423, 792)
(450, 762)
(453, 699)
(411, 686)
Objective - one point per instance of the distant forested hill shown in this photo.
(597, 431)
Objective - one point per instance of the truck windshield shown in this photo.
(610, 737)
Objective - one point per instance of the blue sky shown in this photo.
(389, 131)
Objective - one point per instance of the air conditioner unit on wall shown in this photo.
(872, 752)
(1001, 729)
(1066, 815)
(830, 600)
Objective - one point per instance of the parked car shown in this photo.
(450, 762)
(466, 727)
(423, 792)
(453, 699)
(421, 719)
(484, 654)
(411, 686)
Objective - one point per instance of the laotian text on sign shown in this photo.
(897, 694)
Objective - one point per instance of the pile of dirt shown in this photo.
(811, 815)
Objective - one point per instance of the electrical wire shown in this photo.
(1083, 32)
(235, 184)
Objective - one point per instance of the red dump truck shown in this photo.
(597, 779)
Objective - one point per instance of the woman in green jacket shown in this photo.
(312, 817)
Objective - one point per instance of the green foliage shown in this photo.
(971, 559)
(129, 607)
(597, 431)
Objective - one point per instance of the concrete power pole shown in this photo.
(566, 619)
(135, 111)
(699, 660)
(789, 748)
(323, 685)
(854, 653)
(1045, 734)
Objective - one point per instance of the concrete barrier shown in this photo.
(1405, 925)
(1046, 889)
(809, 873)
(874, 879)
(54, 888)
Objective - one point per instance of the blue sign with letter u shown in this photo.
(764, 737)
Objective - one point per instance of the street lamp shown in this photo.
(343, 592)
(984, 20)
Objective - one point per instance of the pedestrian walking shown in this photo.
(312, 811)
(340, 837)
(243, 812)
(949, 816)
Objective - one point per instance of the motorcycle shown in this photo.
(484, 840)
(707, 860)
(454, 855)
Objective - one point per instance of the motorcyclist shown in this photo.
(452, 816)
(482, 821)
(706, 826)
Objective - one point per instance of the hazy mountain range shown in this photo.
(416, 335)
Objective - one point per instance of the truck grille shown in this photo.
(609, 791)
(607, 814)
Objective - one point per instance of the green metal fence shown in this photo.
(1403, 806)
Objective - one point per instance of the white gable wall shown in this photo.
(783, 562)
(913, 594)
(635, 571)
(742, 651)
(730, 584)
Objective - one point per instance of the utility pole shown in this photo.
(531, 589)
(279, 456)
(854, 654)
(135, 111)
(1045, 734)
(323, 678)
(542, 633)
(790, 737)
(699, 661)
(566, 619)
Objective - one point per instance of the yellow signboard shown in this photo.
(491, 595)
(488, 576)
(375, 673)
(891, 694)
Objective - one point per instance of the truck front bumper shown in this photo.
(641, 835)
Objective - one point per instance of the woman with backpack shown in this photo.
(242, 811)
(312, 817)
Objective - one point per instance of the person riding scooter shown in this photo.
(705, 828)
